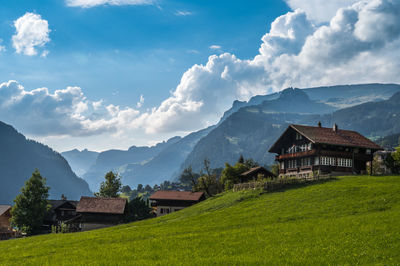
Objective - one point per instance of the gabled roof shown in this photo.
(255, 170)
(324, 135)
(176, 195)
(58, 203)
(4, 208)
(101, 205)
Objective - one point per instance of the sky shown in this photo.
(102, 74)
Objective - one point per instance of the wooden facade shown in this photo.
(167, 201)
(305, 150)
(97, 213)
(6, 231)
(253, 173)
(60, 211)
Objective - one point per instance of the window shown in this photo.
(316, 161)
(162, 210)
(368, 151)
(282, 165)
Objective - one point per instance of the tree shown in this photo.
(250, 163)
(126, 189)
(275, 169)
(207, 182)
(231, 174)
(139, 187)
(31, 205)
(111, 187)
(189, 177)
(241, 159)
(137, 210)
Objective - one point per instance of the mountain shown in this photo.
(389, 142)
(164, 165)
(114, 160)
(339, 96)
(20, 157)
(252, 130)
(80, 161)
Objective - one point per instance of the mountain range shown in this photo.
(19, 157)
(250, 127)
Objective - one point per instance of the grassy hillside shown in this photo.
(351, 220)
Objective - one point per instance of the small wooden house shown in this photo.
(100, 212)
(60, 211)
(253, 173)
(305, 150)
(167, 201)
(5, 225)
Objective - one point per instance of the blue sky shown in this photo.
(104, 74)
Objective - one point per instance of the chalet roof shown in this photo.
(176, 195)
(101, 205)
(255, 170)
(58, 203)
(4, 208)
(324, 135)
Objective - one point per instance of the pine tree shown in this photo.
(111, 187)
(31, 205)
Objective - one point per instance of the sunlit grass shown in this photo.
(351, 220)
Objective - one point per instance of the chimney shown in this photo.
(335, 127)
(319, 124)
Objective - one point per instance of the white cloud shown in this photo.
(93, 3)
(64, 112)
(31, 32)
(183, 13)
(320, 10)
(215, 47)
(140, 102)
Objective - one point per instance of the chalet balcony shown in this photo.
(295, 155)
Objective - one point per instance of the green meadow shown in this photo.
(346, 221)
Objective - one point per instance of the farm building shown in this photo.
(304, 150)
(5, 225)
(60, 211)
(167, 201)
(100, 212)
(253, 173)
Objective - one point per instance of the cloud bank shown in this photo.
(360, 44)
(31, 32)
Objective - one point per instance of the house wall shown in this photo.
(91, 226)
(5, 220)
(163, 210)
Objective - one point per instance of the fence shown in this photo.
(278, 183)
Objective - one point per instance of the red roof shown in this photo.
(101, 205)
(324, 135)
(176, 195)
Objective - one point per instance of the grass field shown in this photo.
(351, 220)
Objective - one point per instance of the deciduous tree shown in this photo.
(31, 205)
(111, 187)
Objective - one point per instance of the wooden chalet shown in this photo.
(303, 150)
(60, 211)
(167, 201)
(100, 212)
(6, 231)
(253, 173)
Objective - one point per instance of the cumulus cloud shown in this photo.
(64, 112)
(31, 32)
(320, 10)
(93, 3)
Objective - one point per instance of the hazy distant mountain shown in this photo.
(80, 161)
(164, 165)
(114, 160)
(251, 130)
(20, 157)
(340, 96)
